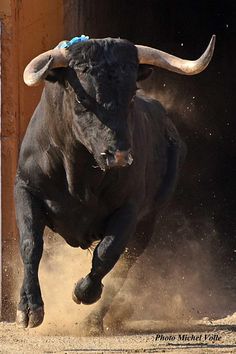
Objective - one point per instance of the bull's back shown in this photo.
(163, 149)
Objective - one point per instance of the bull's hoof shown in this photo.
(30, 318)
(22, 318)
(36, 317)
(87, 291)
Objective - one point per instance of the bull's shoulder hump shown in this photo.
(149, 103)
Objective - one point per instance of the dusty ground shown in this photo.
(216, 337)
(187, 299)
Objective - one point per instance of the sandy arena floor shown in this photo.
(215, 337)
(175, 293)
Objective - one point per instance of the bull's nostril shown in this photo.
(117, 158)
(123, 158)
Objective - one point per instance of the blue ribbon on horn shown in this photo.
(67, 44)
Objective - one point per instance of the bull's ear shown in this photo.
(144, 71)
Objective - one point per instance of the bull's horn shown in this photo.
(167, 61)
(38, 68)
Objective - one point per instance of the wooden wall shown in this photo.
(28, 28)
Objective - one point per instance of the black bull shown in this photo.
(96, 164)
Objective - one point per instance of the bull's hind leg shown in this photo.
(93, 323)
(31, 225)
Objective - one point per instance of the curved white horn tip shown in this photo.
(212, 41)
(29, 81)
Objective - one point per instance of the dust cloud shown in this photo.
(175, 281)
(60, 268)
(181, 103)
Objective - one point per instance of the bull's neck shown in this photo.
(81, 171)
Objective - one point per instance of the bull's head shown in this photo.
(102, 77)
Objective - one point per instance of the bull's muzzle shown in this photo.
(118, 158)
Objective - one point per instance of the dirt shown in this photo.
(210, 338)
(172, 306)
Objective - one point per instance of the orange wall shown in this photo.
(29, 27)
(40, 28)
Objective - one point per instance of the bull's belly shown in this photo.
(79, 225)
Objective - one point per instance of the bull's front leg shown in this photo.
(120, 227)
(31, 225)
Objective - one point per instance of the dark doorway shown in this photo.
(202, 106)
